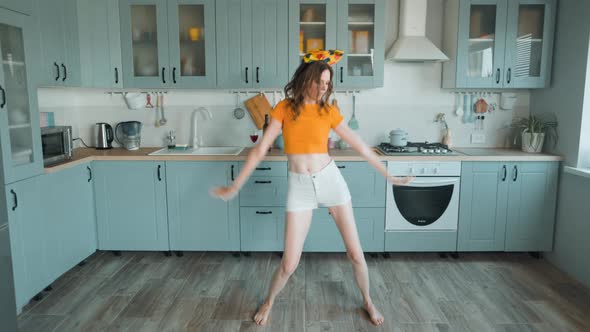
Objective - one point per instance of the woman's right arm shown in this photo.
(252, 160)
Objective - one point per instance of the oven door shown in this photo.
(427, 203)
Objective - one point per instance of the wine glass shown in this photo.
(254, 136)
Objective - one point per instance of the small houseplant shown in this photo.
(533, 130)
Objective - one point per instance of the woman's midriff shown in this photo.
(308, 163)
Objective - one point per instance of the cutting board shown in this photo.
(258, 106)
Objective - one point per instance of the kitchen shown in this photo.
(213, 260)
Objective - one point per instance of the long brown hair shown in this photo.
(304, 76)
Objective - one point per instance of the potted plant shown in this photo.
(533, 130)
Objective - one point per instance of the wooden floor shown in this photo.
(220, 292)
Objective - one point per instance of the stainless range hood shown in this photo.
(412, 44)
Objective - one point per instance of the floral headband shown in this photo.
(328, 56)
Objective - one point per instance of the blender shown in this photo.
(128, 134)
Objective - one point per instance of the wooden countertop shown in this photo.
(82, 155)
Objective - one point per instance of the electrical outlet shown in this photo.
(478, 138)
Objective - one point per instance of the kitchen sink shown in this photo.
(183, 150)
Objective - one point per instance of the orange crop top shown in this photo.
(309, 132)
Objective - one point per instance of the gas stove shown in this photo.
(424, 148)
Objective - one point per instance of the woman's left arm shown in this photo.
(350, 137)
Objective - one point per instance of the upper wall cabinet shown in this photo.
(498, 43)
(21, 6)
(168, 43)
(60, 49)
(353, 26)
(100, 43)
(20, 139)
(251, 43)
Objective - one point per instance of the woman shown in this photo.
(306, 118)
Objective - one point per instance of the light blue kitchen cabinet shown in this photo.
(264, 191)
(356, 27)
(99, 31)
(28, 238)
(130, 198)
(69, 212)
(507, 206)
(361, 35)
(251, 43)
(196, 220)
(498, 43)
(20, 137)
(168, 43)
(60, 46)
(312, 24)
(483, 206)
(262, 228)
(324, 235)
(532, 197)
(21, 6)
(366, 185)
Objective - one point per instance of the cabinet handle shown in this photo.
(89, 173)
(341, 74)
(498, 76)
(341, 166)
(174, 75)
(262, 182)
(159, 173)
(263, 212)
(163, 72)
(3, 97)
(116, 75)
(257, 80)
(504, 173)
(515, 173)
(232, 172)
(65, 72)
(56, 70)
(508, 75)
(246, 75)
(15, 200)
(263, 168)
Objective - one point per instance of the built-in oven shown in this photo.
(430, 202)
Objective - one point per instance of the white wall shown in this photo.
(410, 99)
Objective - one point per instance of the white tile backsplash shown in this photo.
(410, 99)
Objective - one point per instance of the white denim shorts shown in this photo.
(321, 189)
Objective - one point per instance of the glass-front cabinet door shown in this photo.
(19, 118)
(529, 43)
(191, 25)
(312, 25)
(144, 43)
(361, 37)
(480, 60)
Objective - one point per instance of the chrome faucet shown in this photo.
(195, 141)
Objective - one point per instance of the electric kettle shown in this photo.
(104, 136)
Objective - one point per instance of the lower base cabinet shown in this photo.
(131, 205)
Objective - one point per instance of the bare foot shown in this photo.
(262, 315)
(376, 316)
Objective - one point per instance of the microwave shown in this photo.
(57, 144)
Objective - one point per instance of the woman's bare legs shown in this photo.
(344, 218)
(296, 228)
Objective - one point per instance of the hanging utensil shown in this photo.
(465, 108)
(353, 122)
(157, 124)
(471, 108)
(239, 112)
(163, 119)
(459, 110)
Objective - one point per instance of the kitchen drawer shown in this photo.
(264, 191)
(269, 168)
(366, 185)
(262, 228)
